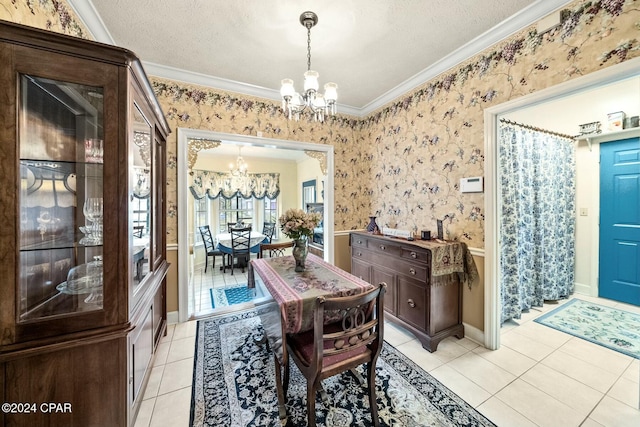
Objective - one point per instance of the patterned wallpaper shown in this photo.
(403, 162)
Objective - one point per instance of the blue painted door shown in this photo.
(620, 220)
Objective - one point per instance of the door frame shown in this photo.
(183, 136)
(492, 202)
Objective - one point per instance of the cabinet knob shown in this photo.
(359, 242)
(412, 271)
(414, 255)
(359, 253)
(383, 247)
(411, 303)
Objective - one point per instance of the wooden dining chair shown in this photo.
(353, 337)
(240, 246)
(268, 229)
(209, 247)
(274, 249)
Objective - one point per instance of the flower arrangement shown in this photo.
(296, 223)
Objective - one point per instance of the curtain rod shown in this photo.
(561, 135)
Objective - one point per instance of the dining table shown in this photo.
(290, 299)
(223, 242)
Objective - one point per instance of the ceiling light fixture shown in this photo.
(240, 168)
(294, 103)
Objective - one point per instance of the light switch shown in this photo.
(584, 211)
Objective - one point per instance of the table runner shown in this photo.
(296, 293)
(449, 259)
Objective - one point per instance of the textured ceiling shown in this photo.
(367, 47)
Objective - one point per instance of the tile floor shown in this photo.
(538, 377)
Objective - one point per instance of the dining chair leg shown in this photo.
(312, 387)
(373, 401)
(282, 411)
(206, 263)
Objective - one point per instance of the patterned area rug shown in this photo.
(237, 294)
(610, 327)
(234, 385)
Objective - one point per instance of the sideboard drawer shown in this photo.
(415, 255)
(358, 241)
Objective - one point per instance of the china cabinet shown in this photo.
(82, 232)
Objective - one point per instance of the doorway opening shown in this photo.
(278, 148)
(611, 75)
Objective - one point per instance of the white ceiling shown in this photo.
(375, 50)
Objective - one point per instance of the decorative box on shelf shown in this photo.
(394, 232)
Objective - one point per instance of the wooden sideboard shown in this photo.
(430, 312)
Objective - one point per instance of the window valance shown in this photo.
(213, 184)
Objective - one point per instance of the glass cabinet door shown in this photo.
(141, 199)
(61, 205)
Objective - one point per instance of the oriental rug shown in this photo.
(230, 295)
(609, 327)
(234, 386)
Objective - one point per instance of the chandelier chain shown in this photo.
(308, 47)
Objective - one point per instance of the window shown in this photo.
(200, 216)
(270, 213)
(308, 193)
(234, 210)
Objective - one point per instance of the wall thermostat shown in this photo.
(471, 185)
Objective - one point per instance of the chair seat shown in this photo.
(303, 343)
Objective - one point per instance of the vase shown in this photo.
(373, 227)
(300, 251)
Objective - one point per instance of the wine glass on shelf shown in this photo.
(93, 211)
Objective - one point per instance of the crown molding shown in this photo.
(92, 20)
(515, 23)
(527, 16)
(171, 73)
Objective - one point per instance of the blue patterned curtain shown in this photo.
(214, 184)
(537, 228)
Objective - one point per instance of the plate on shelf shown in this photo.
(84, 288)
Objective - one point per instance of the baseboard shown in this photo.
(172, 318)
(581, 288)
(474, 334)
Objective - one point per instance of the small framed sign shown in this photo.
(440, 230)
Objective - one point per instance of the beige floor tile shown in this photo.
(154, 382)
(591, 375)
(502, 414)
(543, 334)
(465, 342)
(607, 359)
(633, 371)
(590, 422)
(525, 345)
(508, 359)
(176, 375)
(613, 413)
(626, 391)
(184, 330)
(162, 351)
(395, 335)
(172, 409)
(181, 349)
(449, 349)
(413, 350)
(571, 392)
(539, 407)
(169, 336)
(482, 372)
(143, 419)
(472, 393)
